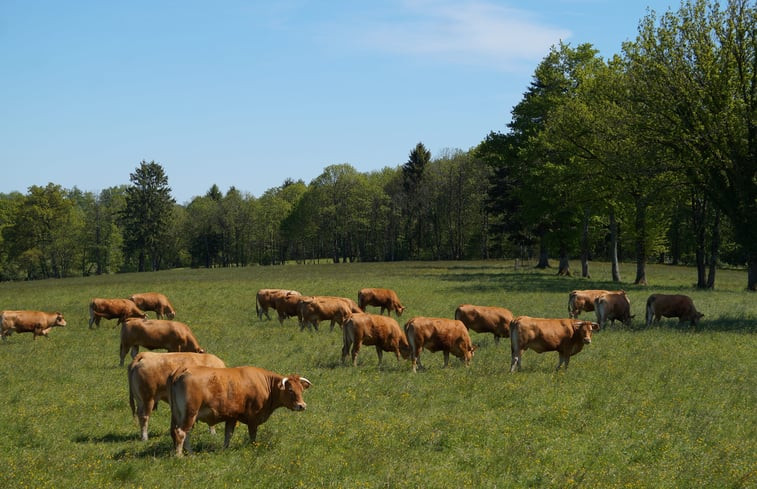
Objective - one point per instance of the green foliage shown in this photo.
(667, 406)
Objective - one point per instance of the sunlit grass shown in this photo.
(667, 406)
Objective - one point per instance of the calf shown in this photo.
(371, 329)
(565, 336)
(156, 333)
(212, 395)
(386, 299)
(672, 306)
(36, 322)
(612, 306)
(153, 301)
(121, 309)
(148, 374)
(435, 334)
(485, 319)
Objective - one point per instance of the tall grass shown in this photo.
(666, 406)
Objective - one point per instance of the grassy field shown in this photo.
(666, 406)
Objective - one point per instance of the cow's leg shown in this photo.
(446, 358)
(144, 409)
(252, 429)
(230, 425)
(380, 354)
(355, 350)
(281, 319)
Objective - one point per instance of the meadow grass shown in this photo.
(665, 406)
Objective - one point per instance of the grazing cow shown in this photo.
(287, 306)
(566, 336)
(148, 374)
(373, 329)
(265, 298)
(485, 319)
(583, 300)
(386, 299)
(153, 301)
(122, 309)
(434, 334)
(672, 306)
(612, 306)
(319, 308)
(212, 395)
(37, 322)
(156, 333)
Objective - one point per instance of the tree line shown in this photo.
(648, 155)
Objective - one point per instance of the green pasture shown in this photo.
(666, 406)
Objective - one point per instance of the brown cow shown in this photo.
(373, 329)
(148, 374)
(153, 301)
(434, 334)
(287, 306)
(37, 322)
(156, 333)
(612, 306)
(212, 395)
(265, 298)
(319, 308)
(485, 319)
(583, 300)
(672, 306)
(386, 299)
(566, 336)
(121, 309)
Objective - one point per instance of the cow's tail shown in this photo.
(571, 303)
(129, 376)
(514, 344)
(91, 312)
(257, 308)
(650, 309)
(176, 408)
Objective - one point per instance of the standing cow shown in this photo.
(583, 300)
(485, 319)
(386, 299)
(265, 298)
(121, 309)
(37, 322)
(672, 306)
(212, 395)
(287, 306)
(156, 333)
(153, 301)
(383, 332)
(565, 336)
(612, 306)
(435, 334)
(148, 375)
(314, 309)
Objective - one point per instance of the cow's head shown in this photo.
(399, 310)
(696, 318)
(171, 313)
(584, 329)
(291, 389)
(59, 320)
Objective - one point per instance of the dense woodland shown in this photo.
(649, 155)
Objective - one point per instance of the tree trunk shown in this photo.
(564, 268)
(543, 253)
(585, 245)
(614, 247)
(698, 217)
(752, 273)
(714, 251)
(641, 244)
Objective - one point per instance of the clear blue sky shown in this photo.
(249, 93)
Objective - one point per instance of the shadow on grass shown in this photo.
(108, 438)
(723, 324)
